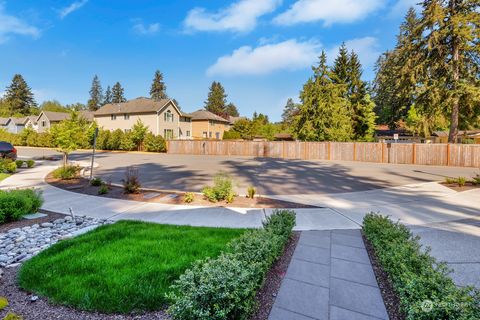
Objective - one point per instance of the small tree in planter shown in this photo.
(139, 131)
(68, 135)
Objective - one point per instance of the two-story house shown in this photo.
(162, 117)
(46, 119)
(207, 125)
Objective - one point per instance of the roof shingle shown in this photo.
(207, 115)
(138, 105)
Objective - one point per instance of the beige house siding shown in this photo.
(158, 124)
(213, 129)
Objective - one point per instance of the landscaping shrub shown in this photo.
(30, 163)
(127, 143)
(153, 143)
(449, 180)
(189, 197)
(14, 204)
(10, 167)
(12, 316)
(3, 303)
(131, 183)
(251, 192)
(222, 189)
(66, 173)
(476, 179)
(103, 189)
(115, 140)
(225, 287)
(96, 182)
(19, 163)
(461, 181)
(417, 277)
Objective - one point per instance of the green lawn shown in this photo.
(124, 267)
(4, 176)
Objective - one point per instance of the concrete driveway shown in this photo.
(269, 176)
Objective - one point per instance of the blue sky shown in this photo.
(260, 50)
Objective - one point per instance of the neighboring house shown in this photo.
(3, 123)
(32, 122)
(47, 119)
(162, 117)
(16, 125)
(207, 125)
(464, 136)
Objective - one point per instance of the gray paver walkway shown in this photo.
(329, 277)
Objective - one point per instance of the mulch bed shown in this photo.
(82, 185)
(51, 216)
(456, 187)
(20, 303)
(267, 294)
(390, 298)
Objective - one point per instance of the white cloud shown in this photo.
(240, 16)
(71, 8)
(10, 25)
(367, 49)
(328, 11)
(264, 59)
(142, 29)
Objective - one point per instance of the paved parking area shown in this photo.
(329, 277)
(270, 176)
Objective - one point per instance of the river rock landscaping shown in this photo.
(20, 244)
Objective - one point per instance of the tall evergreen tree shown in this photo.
(451, 42)
(289, 112)
(158, 90)
(217, 99)
(19, 96)
(341, 65)
(96, 95)
(108, 96)
(117, 93)
(323, 114)
(231, 110)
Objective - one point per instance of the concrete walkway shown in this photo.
(329, 277)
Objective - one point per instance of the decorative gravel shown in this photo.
(20, 244)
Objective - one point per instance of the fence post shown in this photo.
(448, 154)
(283, 149)
(305, 150)
(414, 151)
(354, 151)
(329, 151)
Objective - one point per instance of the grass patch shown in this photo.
(4, 176)
(124, 267)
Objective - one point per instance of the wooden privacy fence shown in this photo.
(462, 155)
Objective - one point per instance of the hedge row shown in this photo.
(107, 140)
(14, 204)
(225, 287)
(423, 285)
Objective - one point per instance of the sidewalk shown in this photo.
(330, 277)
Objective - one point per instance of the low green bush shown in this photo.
(476, 179)
(19, 163)
(3, 303)
(66, 173)
(153, 143)
(461, 181)
(30, 163)
(103, 189)
(12, 316)
(225, 287)
(222, 189)
(449, 180)
(189, 197)
(14, 204)
(96, 182)
(10, 167)
(423, 285)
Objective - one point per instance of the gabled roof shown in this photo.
(87, 115)
(207, 115)
(18, 121)
(54, 116)
(4, 121)
(138, 105)
(32, 119)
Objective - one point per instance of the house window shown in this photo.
(188, 133)
(113, 117)
(210, 134)
(217, 135)
(205, 134)
(168, 134)
(127, 130)
(180, 134)
(44, 124)
(126, 116)
(168, 116)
